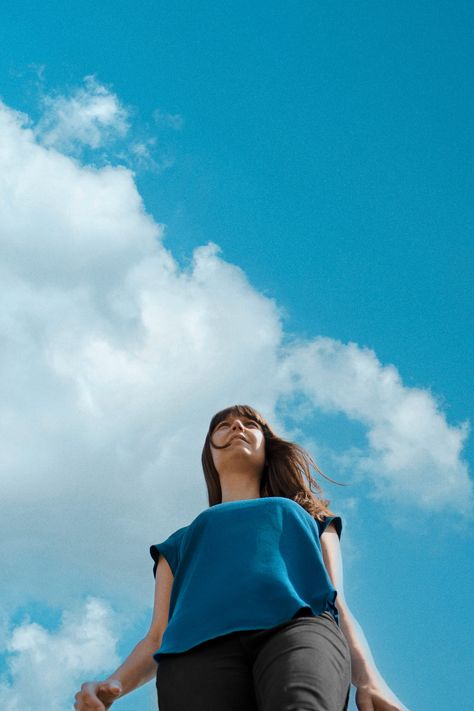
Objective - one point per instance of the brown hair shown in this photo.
(286, 467)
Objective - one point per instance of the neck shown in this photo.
(235, 488)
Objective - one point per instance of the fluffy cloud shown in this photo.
(413, 455)
(114, 359)
(45, 669)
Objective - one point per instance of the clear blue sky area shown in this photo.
(327, 148)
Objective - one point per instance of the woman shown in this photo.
(249, 610)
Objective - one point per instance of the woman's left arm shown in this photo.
(373, 693)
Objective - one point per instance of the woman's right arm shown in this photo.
(139, 667)
(372, 691)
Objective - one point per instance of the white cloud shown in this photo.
(113, 360)
(140, 153)
(91, 116)
(413, 456)
(45, 668)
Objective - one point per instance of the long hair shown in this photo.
(286, 471)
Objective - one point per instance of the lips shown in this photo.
(238, 437)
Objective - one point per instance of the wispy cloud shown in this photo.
(89, 122)
(90, 116)
(174, 121)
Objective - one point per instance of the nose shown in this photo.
(237, 422)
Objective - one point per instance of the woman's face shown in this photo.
(243, 441)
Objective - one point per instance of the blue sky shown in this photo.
(204, 204)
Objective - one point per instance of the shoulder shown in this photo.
(178, 534)
(172, 540)
(169, 548)
(330, 525)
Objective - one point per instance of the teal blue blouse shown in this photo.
(244, 565)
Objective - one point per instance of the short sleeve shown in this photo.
(169, 548)
(336, 520)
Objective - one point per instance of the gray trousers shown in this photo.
(300, 665)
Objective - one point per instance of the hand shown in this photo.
(97, 695)
(375, 698)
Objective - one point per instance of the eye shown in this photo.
(252, 423)
(248, 423)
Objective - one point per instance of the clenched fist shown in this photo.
(97, 695)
